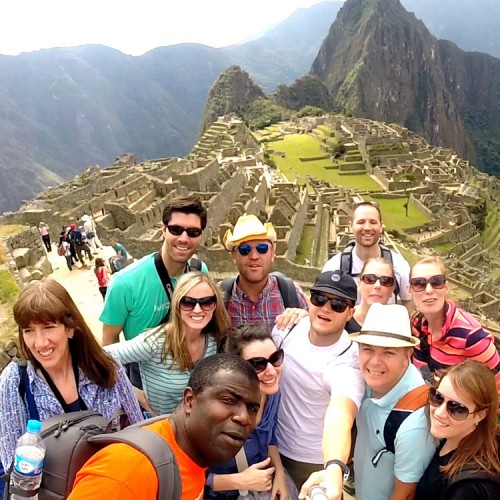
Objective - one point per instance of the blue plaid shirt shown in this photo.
(14, 414)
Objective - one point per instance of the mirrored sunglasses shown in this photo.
(420, 284)
(336, 305)
(206, 303)
(192, 232)
(245, 249)
(260, 364)
(371, 279)
(456, 410)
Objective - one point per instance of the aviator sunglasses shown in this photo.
(206, 303)
(420, 284)
(456, 410)
(371, 279)
(336, 305)
(260, 364)
(245, 249)
(192, 232)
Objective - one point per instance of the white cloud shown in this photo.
(135, 27)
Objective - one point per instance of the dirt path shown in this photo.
(82, 286)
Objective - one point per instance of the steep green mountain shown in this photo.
(381, 62)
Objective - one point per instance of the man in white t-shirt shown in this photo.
(321, 385)
(366, 227)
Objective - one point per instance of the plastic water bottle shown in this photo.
(28, 462)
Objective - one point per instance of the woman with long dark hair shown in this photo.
(463, 417)
(66, 370)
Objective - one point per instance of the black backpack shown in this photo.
(346, 262)
(413, 400)
(286, 286)
(72, 438)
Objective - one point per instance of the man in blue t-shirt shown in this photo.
(121, 255)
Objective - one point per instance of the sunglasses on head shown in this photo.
(206, 303)
(245, 248)
(456, 410)
(192, 232)
(336, 305)
(420, 284)
(371, 279)
(260, 364)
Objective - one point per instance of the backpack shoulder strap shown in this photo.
(157, 450)
(195, 264)
(346, 258)
(287, 290)
(411, 401)
(227, 286)
(25, 391)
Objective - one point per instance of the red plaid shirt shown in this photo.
(268, 307)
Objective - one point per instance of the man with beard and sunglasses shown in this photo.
(257, 296)
(366, 228)
(321, 385)
(139, 296)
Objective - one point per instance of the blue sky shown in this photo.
(134, 27)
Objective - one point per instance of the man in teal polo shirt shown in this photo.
(137, 299)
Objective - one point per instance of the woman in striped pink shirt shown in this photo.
(448, 334)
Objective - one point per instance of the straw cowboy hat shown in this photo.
(386, 326)
(85, 218)
(248, 227)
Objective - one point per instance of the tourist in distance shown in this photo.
(256, 295)
(216, 415)
(385, 348)
(118, 261)
(376, 285)
(466, 465)
(257, 467)
(91, 231)
(43, 229)
(166, 354)
(64, 250)
(321, 385)
(102, 274)
(447, 333)
(139, 296)
(366, 227)
(66, 371)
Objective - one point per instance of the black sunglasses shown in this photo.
(245, 249)
(192, 232)
(336, 305)
(456, 410)
(371, 279)
(206, 303)
(420, 284)
(260, 364)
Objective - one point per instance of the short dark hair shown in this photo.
(186, 205)
(205, 370)
(373, 204)
(237, 338)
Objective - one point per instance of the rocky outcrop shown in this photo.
(306, 91)
(380, 61)
(233, 91)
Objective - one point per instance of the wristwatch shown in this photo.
(342, 465)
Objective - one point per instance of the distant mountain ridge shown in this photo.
(62, 110)
(380, 61)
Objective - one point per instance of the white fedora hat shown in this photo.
(247, 228)
(386, 326)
